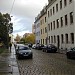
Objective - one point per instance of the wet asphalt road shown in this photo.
(46, 64)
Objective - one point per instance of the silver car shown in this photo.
(24, 52)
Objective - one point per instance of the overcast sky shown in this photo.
(23, 12)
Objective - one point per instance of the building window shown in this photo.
(45, 19)
(71, 17)
(49, 39)
(51, 25)
(56, 7)
(54, 24)
(61, 19)
(41, 31)
(60, 4)
(65, 2)
(62, 38)
(41, 41)
(57, 21)
(45, 29)
(53, 10)
(48, 13)
(72, 38)
(66, 38)
(70, 1)
(66, 20)
(54, 39)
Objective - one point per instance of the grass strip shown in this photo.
(2, 50)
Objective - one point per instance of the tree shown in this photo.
(30, 38)
(17, 39)
(5, 27)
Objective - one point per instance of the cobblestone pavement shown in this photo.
(46, 64)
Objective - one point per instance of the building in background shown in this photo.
(60, 19)
(60, 24)
(43, 26)
(11, 36)
(33, 28)
(37, 31)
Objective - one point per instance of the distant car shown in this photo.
(71, 53)
(34, 46)
(49, 48)
(23, 52)
(30, 45)
(39, 46)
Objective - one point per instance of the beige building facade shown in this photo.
(43, 26)
(60, 21)
(60, 25)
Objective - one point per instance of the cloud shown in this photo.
(23, 12)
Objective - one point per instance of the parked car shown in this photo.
(49, 48)
(30, 45)
(17, 47)
(23, 52)
(34, 46)
(39, 46)
(71, 53)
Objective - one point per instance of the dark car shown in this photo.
(49, 48)
(30, 45)
(39, 46)
(17, 47)
(71, 53)
(23, 52)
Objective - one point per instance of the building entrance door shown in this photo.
(58, 41)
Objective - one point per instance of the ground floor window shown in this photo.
(62, 38)
(66, 38)
(41, 41)
(49, 39)
(72, 38)
(54, 39)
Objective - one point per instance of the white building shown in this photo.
(61, 23)
(37, 31)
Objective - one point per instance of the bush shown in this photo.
(2, 50)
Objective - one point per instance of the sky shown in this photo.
(23, 13)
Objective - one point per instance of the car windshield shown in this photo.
(23, 48)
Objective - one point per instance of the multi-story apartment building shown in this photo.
(43, 26)
(60, 21)
(33, 29)
(37, 30)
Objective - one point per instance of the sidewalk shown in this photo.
(8, 63)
